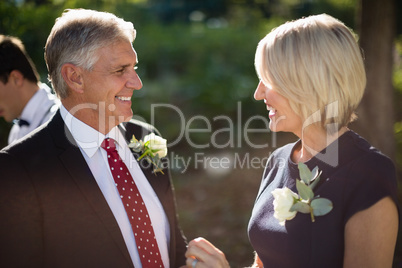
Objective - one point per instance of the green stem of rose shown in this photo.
(149, 151)
(156, 169)
(312, 214)
(144, 154)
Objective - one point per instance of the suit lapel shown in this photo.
(157, 181)
(75, 164)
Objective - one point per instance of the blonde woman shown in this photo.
(312, 78)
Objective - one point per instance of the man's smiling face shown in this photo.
(112, 81)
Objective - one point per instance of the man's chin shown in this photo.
(114, 120)
(125, 118)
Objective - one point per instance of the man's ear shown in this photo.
(16, 77)
(72, 76)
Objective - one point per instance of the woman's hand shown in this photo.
(257, 262)
(202, 254)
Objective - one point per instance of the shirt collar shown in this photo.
(30, 110)
(88, 138)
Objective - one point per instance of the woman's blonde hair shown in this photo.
(315, 63)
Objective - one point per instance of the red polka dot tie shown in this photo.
(136, 210)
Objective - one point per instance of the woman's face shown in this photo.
(281, 115)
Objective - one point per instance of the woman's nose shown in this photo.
(259, 93)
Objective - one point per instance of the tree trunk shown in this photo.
(376, 112)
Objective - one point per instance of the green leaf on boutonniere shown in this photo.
(321, 206)
(305, 173)
(301, 207)
(304, 191)
(316, 178)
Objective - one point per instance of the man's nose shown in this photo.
(134, 82)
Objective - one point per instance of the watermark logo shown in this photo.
(224, 158)
(330, 153)
(239, 132)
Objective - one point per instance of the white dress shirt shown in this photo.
(39, 109)
(89, 141)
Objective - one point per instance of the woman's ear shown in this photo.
(72, 76)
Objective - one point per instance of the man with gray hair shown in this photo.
(73, 194)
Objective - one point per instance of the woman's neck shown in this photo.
(313, 141)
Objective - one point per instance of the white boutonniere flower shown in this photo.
(284, 200)
(153, 148)
(287, 203)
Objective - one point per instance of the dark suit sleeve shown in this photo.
(181, 245)
(20, 224)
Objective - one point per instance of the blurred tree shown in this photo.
(377, 28)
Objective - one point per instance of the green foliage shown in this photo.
(32, 25)
(200, 69)
(343, 10)
(397, 81)
(397, 77)
(213, 66)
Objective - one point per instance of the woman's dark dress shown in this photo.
(354, 177)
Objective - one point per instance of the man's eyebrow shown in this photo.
(124, 65)
(119, 66)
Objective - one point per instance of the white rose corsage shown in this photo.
(287, 203)
(153, 148)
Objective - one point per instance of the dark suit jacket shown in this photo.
(53, 213)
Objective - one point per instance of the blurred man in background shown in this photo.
(23, 99)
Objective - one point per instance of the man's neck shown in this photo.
(27, 91)
(89, 114)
